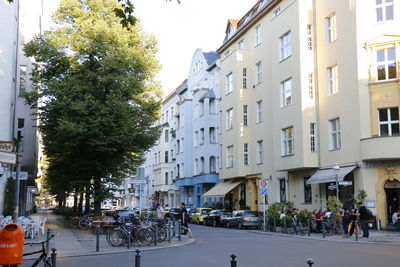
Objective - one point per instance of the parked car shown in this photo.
(215, 216)
(173, 213)
(199, 215)
(123, 213)
(244, 219)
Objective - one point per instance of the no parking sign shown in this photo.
(264, 187)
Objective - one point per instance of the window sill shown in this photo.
(306, 203)
(284, 59)
(288, 105)
(385, 81)
(229, 167)
(288, 155)
(229, 129)
(257, 45)
(261, 163)
(259, 122)
(332, 94)
(334, 149)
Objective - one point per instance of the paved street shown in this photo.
(214, 245)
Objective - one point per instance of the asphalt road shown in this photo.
(215, 245)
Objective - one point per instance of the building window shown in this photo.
(166, 178)
(229, 157)
(182, 170)
(172, 154)
(166, 136)
(241, 44)
(389, 121)
(307, 192)
(333, 85)
(244, 78)
(245, 115)
(259, 111)
(229, 119)
(260, 152)
(213, 135)
(155, 158)
(196, 138)
(201, 109)
(201, 136)
(166, 157)
(286, 92)
(201, 165)
(229, 83)
(177, 171)
(213, 107)
(286, 45)
(258, 35)
(213, 165)
(21, 123)
(242, 201)
(182, 144)
(196, 167)
(384, 10)
(282, 190)
(309, 37)
(313, 147)
(287, 141)
(386, 64)
(310, 86)
(258, 73)
(246, 154)
(334, 132)
(331, 28)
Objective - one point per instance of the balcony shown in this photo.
(380, 148)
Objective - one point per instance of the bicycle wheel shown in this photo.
(162, 233)
(74, 222)
(144, 237)
(47, 262)
(84, 224)
(116, 237)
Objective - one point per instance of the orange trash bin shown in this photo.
(11, 244)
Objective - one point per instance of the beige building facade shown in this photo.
(310, 96)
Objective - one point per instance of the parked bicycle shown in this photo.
(45, 256)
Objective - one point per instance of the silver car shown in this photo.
(244, 219)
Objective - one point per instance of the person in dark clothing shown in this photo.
(364, 217)
(346, 219)
(184, 216)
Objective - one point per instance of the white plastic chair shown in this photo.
(42, 226)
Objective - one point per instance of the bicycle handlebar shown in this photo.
(39, 243)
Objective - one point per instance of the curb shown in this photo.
(326, 239)
(132, 250)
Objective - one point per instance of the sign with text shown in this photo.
(6, 146)
(7, 157)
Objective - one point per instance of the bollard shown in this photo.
(233, 261)
(169, 232)
(309, 226)
(53, 257)
(284, 225)
(155, 235)
(310, 262)
(323, 230)
(129, 236)
(137, 258)
(274, 225)
(48, 234)
(356, 229)
(179, 229)
(98, 238)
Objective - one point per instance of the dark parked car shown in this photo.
(244, 219)
(124, 213)
(174, 213)
(215, 216)
(190, 213)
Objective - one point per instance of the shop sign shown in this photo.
(7, 157)
(6, 146)
(381, 164)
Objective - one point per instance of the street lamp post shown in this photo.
(336, 170)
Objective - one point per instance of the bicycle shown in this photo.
(48, 260)
(298, 227)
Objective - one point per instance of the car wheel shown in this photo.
(240, 226)
(215, 223)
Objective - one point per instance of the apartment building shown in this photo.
(310, 98)
(200, 129)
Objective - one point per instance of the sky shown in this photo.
(181, 29)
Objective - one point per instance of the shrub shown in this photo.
(304, 216)
(333, 203)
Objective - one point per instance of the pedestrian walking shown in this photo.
(364, 218)
(185, 219)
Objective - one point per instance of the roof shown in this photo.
(211, 57)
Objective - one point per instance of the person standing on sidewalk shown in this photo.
(159, 212)
(364, 217)
(185, 218)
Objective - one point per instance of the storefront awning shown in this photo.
(329, 175)
(221, 189)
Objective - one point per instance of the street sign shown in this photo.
(6, 146)
(264, 187)
(22, 175)
(345, 182)
(7, 157)
(332, 187)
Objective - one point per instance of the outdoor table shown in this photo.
(103, 224)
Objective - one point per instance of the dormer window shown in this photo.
(262, 4)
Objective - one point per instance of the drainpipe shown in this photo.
(317, 110)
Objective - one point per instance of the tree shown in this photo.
(9, 197)
(97, 96)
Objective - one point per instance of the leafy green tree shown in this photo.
(98, 99)
(9, 197)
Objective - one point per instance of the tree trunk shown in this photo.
(87, 199)
(75, 208)
(97, 196)
(80, 204)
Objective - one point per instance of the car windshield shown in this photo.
(251, 214)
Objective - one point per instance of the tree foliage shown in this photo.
(9, 197)
(97, 96)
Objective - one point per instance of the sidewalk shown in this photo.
(375, 237)
(71, 242)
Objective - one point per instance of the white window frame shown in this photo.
(258, 35)
(213, 135)
(311, 85)
(241, 44)
(286, 45)
(286, 92)
(244, 78)
(313, 137)
(245, 115)
(259, 111)
(333, 80)
(229, 156)
(389, 122)
(331, 30)
(335, 141)
(229, 119)
(386, 62)
(382, 7)
(309, 37)
(260, 152)
(258, 73)
(287, 141)
(246, 154)
(229, 83)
